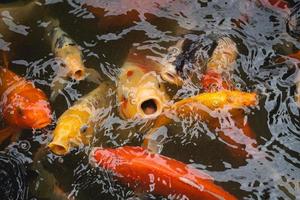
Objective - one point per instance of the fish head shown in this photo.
(72, 130)
(110, 159)
(27, 107)
(141, 93)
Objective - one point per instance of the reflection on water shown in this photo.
(106, 36)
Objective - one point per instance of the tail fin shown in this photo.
(4, 59)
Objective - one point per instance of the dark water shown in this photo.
(105, 44)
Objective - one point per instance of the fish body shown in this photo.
(22, 104)
(223, 57)
(293, 22)
(76, 125)
(140, 92)
(205, 107)
(217, 79)
(140, 170)
(69, 52)
(280, 5)
(65, 48)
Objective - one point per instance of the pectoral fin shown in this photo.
(93, 76)
(57, 86)
(154, 139)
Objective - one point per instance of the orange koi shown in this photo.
(22, 105)
(277, 4)
(142, 170)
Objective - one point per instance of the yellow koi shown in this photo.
(140, 92)
(76, 125)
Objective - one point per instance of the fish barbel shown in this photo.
(76, 125)
(144, 171)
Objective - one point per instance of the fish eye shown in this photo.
(83, 129)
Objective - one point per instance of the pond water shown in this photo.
(152, 27)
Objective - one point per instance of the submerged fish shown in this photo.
(140, 91)
(66, 49)
(293, 22)
(76, 125)
(143, 171)
(22, 104)
(13, 176)
(275, 4)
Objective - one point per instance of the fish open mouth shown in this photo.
(78, 74)
(58, 149)
(149, 107)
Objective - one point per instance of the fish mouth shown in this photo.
(78, 74)
(151, 107)
(58, 149)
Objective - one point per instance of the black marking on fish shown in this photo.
(293, 22)
(84, 128)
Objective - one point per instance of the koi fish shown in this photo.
(296, 56)
(137, 168)
(277, 4)
(205, 107)
(66, 49)
(22, 105)
(163, 67)
(140, 91)
(76, 125)
(217, 97)
(216, 78)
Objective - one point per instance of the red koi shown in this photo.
(22, 105)
(277, 4)
(142, 170)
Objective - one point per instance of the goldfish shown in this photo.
(22, 104)
(66, 49)
(140, 91)
(76, 125)
(153, 173)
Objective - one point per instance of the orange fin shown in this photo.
(4, 59)
(7, 133)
